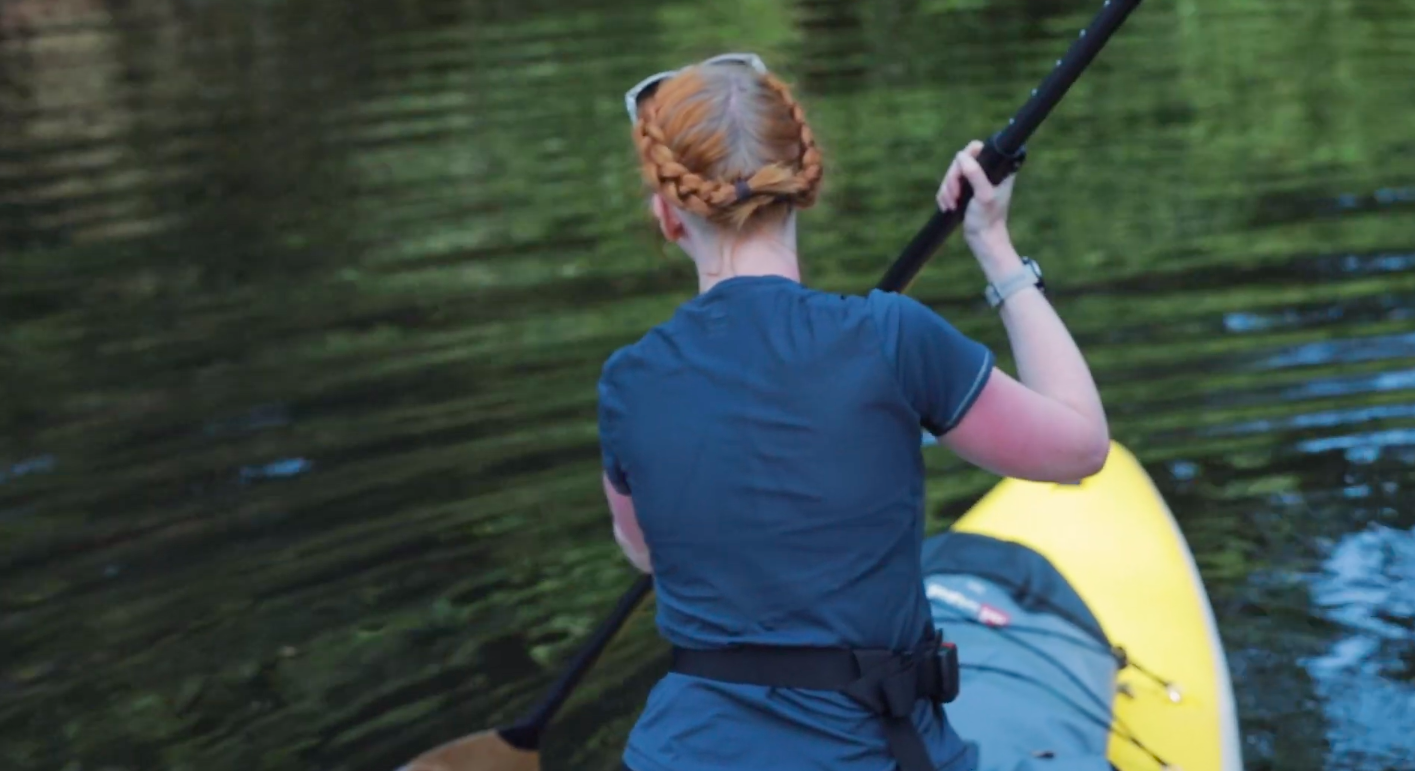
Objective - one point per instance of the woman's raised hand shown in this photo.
(985, 223)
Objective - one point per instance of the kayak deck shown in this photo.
(1115, 542)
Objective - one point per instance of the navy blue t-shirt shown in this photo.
(769, 436)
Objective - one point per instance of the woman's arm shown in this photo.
(1050, 426)
(1013, 430)
(626, 527)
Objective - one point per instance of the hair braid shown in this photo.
(691, 154)
(666, 174)
(811, 164)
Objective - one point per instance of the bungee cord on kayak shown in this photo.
(1109, 725)
(1171, 689)
(1118, 652)
(1113, 724)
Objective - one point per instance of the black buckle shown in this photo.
(948, 675)
(888, 684)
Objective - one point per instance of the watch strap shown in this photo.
(1030, 275)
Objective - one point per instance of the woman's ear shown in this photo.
(669, 223)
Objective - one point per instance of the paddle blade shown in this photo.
(485, 751)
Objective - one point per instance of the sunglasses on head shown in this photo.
(647, 86)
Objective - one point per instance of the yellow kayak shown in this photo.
(1043, 586)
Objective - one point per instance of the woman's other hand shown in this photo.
(985, 222)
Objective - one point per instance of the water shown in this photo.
(302, 306)
(1364, 588)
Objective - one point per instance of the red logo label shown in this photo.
(991, 616)
(983, 612)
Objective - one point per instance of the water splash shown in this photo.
(1367, 678)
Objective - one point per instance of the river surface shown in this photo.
(302, 306)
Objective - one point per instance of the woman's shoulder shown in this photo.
(875, 302)
(880, 301)
(632, 357)
(842, 304)
(619, 360)
(882, 311)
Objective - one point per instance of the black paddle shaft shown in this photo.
(1004, 151)
(1002, 154)
(525, 735)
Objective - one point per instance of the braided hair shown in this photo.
(729, 145)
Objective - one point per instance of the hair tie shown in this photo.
(744, 191)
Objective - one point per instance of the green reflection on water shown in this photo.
(304, 304)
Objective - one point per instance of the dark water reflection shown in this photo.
(302, 304)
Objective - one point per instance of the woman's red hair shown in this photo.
(712, 127)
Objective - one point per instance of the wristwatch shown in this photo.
(1030, 275)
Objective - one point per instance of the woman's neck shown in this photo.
(758, 254)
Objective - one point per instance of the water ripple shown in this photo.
(301, 307)
(1367, 678)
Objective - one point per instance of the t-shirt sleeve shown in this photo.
(611, 421)
(940, 370)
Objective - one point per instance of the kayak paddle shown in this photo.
(1005, 150)
(516, 748)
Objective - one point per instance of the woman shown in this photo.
(761, 447)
